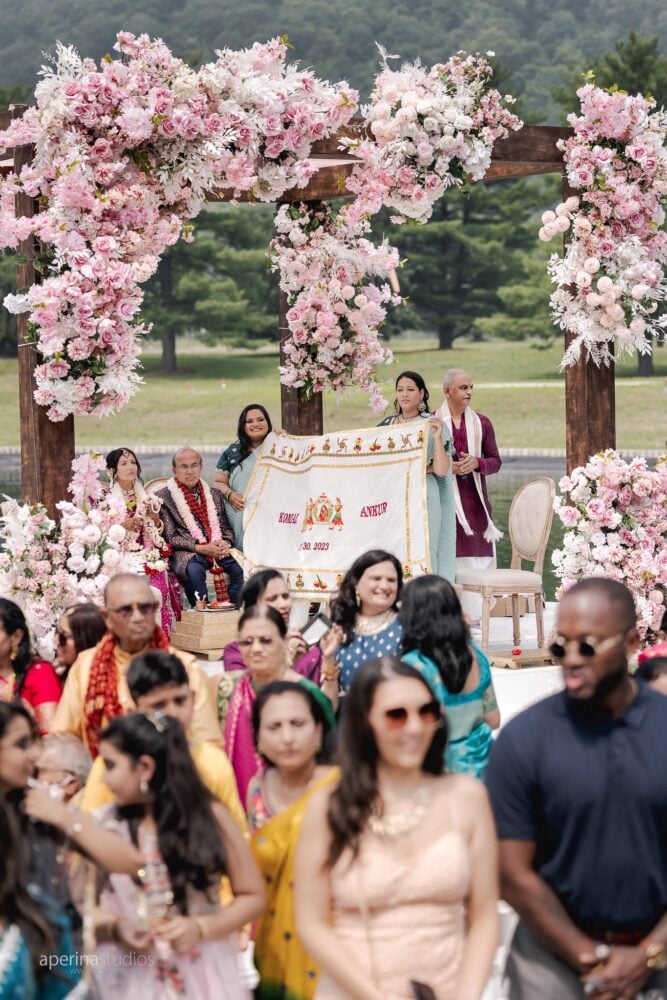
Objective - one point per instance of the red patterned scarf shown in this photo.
(102, 699)
(197, 506)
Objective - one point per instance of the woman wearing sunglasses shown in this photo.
(263, 642)
(436, 640)
(80, 627)
(396, 885)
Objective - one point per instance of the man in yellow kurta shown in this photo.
(96, 689)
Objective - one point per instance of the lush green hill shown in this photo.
(539, 40)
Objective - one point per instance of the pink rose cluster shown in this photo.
(47, 566)
(336, 284)
(615, 518)
(611, 277)
(125, 154)
(428, 130)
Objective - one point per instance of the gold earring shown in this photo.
(358, 599)
(318, 745)
(14, 653)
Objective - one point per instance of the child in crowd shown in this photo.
(170, 912)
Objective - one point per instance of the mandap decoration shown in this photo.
(611, 276)
(47, 566)
(124, 156)
(126, 152)
(615, 518)
(427, 131)
(336, 309)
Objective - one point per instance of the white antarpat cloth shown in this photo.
(314, 504)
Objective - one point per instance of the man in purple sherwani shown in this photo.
(475, 457)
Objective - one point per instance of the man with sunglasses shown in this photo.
(96, 689)
(577, 784)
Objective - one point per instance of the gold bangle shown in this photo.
(201, 927)
(330, 675)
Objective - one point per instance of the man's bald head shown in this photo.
(125, 583)
(130, 608)
(187, 466)
(604, 597)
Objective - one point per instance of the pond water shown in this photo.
(502, 488)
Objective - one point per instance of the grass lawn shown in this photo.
(201, 404)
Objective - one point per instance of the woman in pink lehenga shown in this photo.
(164, 934)
(144, 530)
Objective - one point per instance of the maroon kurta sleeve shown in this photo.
(490, 460)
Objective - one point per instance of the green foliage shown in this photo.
(8, 337)
(477, 243)
(535, 38)
(635, 65)
(220, 286)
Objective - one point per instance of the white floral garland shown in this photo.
(188, 516)
(145, 502)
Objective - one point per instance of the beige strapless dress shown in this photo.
(415, 906)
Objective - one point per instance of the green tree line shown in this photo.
(477, 268)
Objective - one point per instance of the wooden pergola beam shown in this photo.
(47, 448)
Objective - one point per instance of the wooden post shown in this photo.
(590, 402)
(47, 448)
(298, 414)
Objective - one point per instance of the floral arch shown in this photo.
(114, 161)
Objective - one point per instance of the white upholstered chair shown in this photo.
(153, 485)
(530, 518)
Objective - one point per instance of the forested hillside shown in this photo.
(542, 42)
(478, 268)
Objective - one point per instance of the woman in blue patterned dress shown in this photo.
(436, 640)
(365, 616)
(236, 463)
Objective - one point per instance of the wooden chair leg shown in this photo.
(516, 624)
(539, 620)
(486, 615)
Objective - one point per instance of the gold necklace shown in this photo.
(400, 824)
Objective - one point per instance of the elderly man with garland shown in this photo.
(196, 527)
(96, 688)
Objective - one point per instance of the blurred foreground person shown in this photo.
(396, 884)
(171, 913)
(577, 784)
(291, 724)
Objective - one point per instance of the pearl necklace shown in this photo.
(400, 824)
(372, 624)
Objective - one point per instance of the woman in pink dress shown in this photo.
(144, 530)
(171, 913)
(396, 867)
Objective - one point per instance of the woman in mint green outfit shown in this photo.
(411, 403)
(436, 642)
(235, 465)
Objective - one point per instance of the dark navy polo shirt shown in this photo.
(591, 791)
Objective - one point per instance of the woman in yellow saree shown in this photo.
(291, 724)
